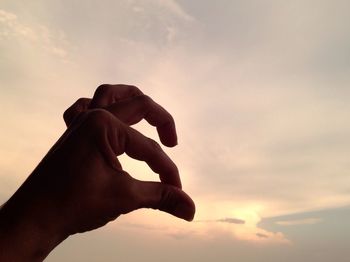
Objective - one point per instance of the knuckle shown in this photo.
(81, 102)
(97, 118)
(134, 90)
(104, 89)
(171, 119)
(155, 147)
(67, 115)
(168, 199)
(76, 109)
(144, 99)
(101, 89)
(155, 150)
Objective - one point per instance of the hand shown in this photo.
(80, 184)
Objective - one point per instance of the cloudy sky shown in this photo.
(259, 91)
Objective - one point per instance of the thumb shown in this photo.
(166, 198)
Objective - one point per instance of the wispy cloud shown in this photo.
(261, 235)
(306, 221)
(175, 8)
(224, 220)
(12, 28)
(242, 226)
(171, 6)
(231, 221)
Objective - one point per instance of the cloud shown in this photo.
(261, 235)
(7, 16)
(142, 226)
(166, 18)
(242, 224)
(171, 6)
(175, 8)
(224, 220)
(40, 36)
(231, 221)
(10, 26)
(306, 221)
(231, 228)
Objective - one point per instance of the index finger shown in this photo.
(126, 139)
(134, 109)
(106, 95)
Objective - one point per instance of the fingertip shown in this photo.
(167, 135)
(167, 198)
(183, 206)
(168, 143)
(186, 210)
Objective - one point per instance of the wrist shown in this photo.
(26, 232)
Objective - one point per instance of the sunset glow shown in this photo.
(260, 94)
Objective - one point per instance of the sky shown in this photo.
(259, 91)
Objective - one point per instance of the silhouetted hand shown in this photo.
(80, 184)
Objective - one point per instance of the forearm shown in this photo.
(25, 233)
